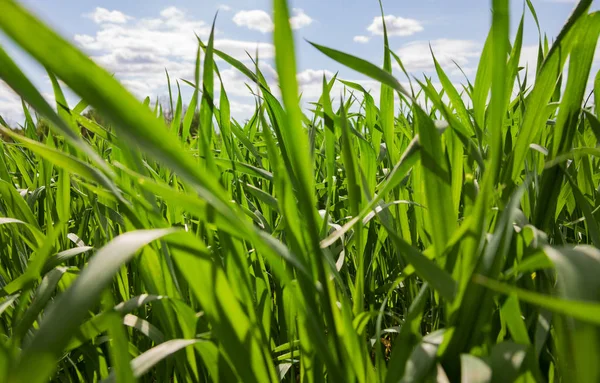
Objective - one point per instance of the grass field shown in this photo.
(434, 234)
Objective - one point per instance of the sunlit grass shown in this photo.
(363, 240)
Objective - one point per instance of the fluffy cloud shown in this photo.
(224, 7)
(396, 26)
(10, 105)
(416, 55)
(241, 110)
(255, 19)
(300, 19)
(172, 13)
(361, 39)
(312, 76)
(261, 21)
(238, 49)
(235, 82)
(155, 36)
(103, 15)
(310, 83)
(528, 58)
(139, 52)
(241, 97)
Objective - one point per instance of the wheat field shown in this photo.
(437, 233)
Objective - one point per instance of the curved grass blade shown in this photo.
(364, 67)
(544, 87)
(583, 310)
(13, 76)
(143, 363)
(69, 310)
(132, 120)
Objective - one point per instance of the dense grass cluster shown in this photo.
(449, 236)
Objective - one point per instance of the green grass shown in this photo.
(291, 247)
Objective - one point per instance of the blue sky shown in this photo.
(137, 40)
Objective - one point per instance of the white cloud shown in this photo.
(235, 82)
(300, 19)
(171, 13)
(416, 55)
(310, 82)
(139, 52)
(255, 19)
(312, 76)
(84, 39)
(261, 21)
(10, 105)
(528, 58)
(103, 15)
(238, 49)
(361, 39)
(462, 71)
(224, 7)
(241, 110)
(396, 26)
(156, 36)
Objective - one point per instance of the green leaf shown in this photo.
(545, 84)
(507, 360)
(205, 132)
(69, 310)
(497, 107)
(131, 119)
(143, 363)
(580, 63)
(474, 370)
(364, 67)
(13, 76)
(437, 185)
(294, 136)
(422, 359)
(582, 310)
(65, 161)
(212, 289)
(597, 94)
